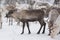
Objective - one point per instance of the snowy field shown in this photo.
(14, 32)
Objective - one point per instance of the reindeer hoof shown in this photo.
(29, 33)
(42, 32)
(38, 32)
(48, 34)
(22, 32)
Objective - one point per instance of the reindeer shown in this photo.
(26, 16)
(55, 29)
(53, 14)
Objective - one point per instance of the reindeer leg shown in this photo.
(40, 27)
(23, 27)
(50, 24)
(28, 27)
(49, 32)
(44, 28)
(11, 21)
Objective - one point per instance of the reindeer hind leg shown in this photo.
(41, 22)
(44, 27)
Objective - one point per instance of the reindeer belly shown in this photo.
(29, 17)
(30, 20)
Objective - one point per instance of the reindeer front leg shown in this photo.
(44, 27)
(23, 27)
(28, 27)
(10, 21)
(50, 24)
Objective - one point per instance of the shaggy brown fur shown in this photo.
(26, 16)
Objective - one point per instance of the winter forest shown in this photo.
(29, 19)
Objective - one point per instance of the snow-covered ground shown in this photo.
(13, 33)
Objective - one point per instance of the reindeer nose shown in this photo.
(6, 15)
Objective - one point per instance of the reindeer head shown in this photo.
(11, 9)
(10, 12)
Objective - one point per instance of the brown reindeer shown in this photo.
(26, 16)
